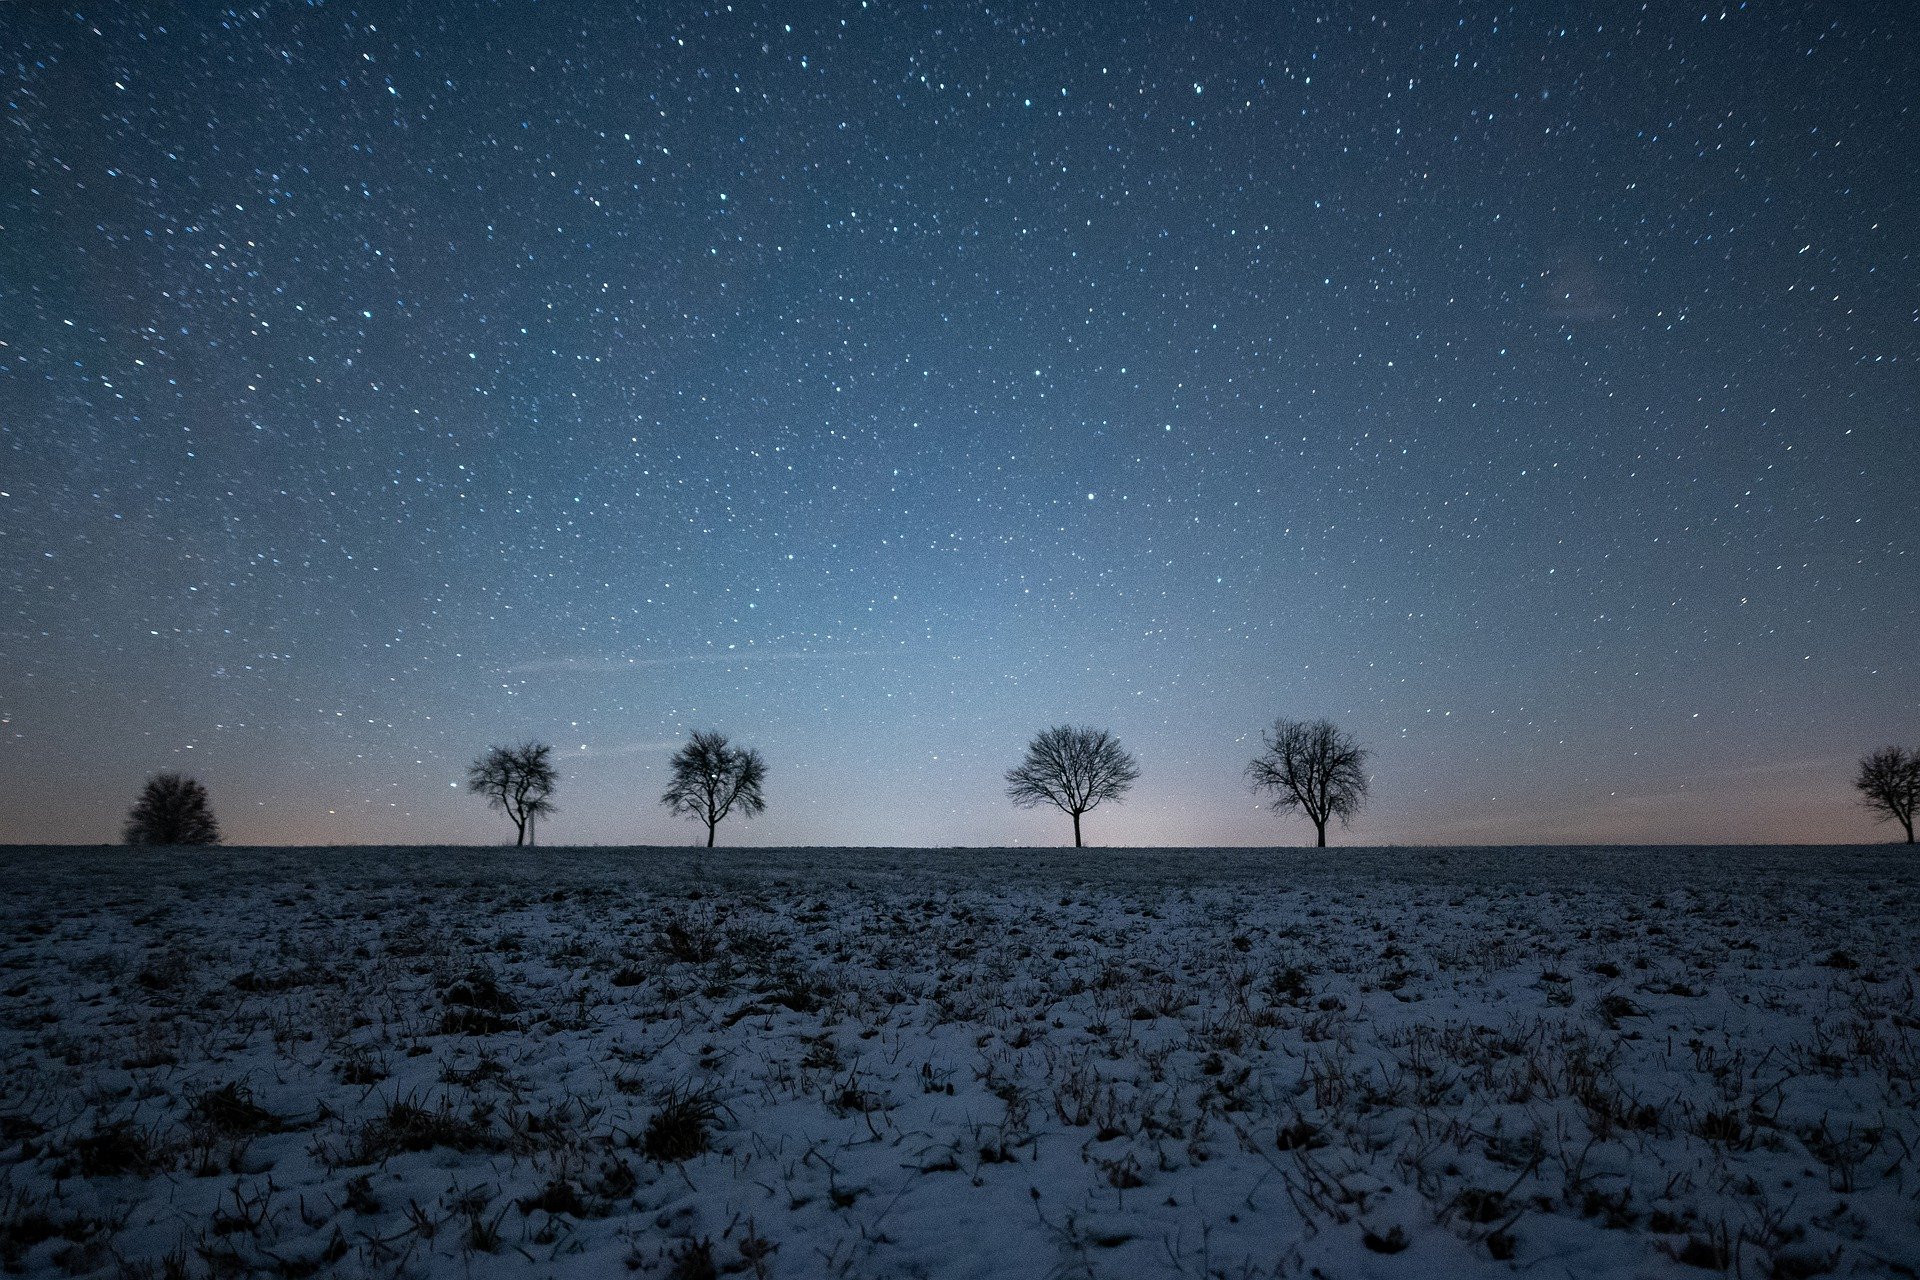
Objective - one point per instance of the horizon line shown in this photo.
(6, 846)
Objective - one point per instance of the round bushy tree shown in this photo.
(172, 809)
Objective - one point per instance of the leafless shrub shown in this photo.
(122, 1148)
(407, 1124)
(690, 938)
(230, 1109)
(678, 1128)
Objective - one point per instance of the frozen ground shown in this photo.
(1592, 1062)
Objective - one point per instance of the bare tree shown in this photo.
(1889, 785)
(172, 809)
(1073, 769)
(517, 780)
(711, 779)
(1313, 768)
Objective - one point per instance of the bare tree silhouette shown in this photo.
(1314, 768)
(1889, 785)
(711, 779)
(520, 781)
(1073, 769)
(172, 809)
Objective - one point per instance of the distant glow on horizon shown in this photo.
(1538, 403)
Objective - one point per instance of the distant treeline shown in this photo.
(1312, 768)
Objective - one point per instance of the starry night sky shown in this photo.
(881, 384)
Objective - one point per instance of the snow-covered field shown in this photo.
(1410, 1063)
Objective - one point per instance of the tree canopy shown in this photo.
(518, 780)
(712, 778)
(1312, 767)
(1889, 785)
(1072, 768)
(172, 809)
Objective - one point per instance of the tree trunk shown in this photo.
(1321, 829)
(1076, 832)
(710, 827)
(521, 837)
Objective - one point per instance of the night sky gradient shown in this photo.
(1529, 388)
